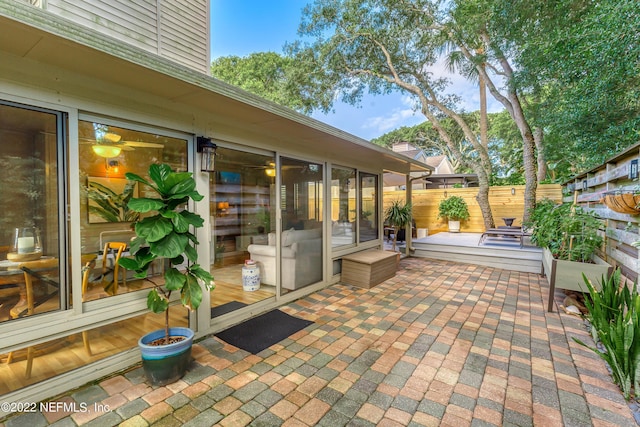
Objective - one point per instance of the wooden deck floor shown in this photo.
(499, 252)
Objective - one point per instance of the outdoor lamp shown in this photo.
(207, 150)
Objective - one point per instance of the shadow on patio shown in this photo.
(440, 344)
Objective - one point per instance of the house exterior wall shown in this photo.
(51, 64)
(177, 29)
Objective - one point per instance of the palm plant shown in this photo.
(398, 215)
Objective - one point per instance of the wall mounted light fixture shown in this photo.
(207, 150)
(112, 166)
(513, 191)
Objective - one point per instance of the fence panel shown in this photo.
(506, 202)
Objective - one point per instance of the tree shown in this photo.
(382, 46)
(266, 74)
(581, 60)
(470, 27)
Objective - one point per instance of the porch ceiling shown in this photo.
(36, 35)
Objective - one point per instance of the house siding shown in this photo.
(177, 30)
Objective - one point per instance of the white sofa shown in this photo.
(301, 258)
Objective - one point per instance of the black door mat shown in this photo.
(259, 333)
(226, 308)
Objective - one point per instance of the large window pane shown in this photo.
(106, 153)
(301, 240)
(343, 206)
(368, 207)
(43, 361)
(29, 219)
(242, 203)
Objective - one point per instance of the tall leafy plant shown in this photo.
(614, 314)
(398, 216)
(168, 234)
(568, 231)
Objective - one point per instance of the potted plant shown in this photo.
(455, 209)
(569, 237)
(167, 234)
(397, 216)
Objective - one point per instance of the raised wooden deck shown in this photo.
(500, 252)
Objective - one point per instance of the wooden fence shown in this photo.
(612, 191)
(505, 202)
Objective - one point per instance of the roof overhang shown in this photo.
(35, 35)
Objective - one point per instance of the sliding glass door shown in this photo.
(302, 204)
(242, 206)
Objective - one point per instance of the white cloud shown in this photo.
(396, 118)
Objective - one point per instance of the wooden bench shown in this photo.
(505, 232)
(369, 268)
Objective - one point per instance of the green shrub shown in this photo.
(569, 232)
(453, 208)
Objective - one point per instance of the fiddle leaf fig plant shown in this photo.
(168, 234)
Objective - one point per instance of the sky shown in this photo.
(241, 27)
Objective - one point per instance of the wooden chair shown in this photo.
(116, 248)
(41, 269)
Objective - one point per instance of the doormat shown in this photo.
(259, 333)
(226, 308)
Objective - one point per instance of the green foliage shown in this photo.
(581, 60)
(167, 234)
(614, 314)
(569, 232)
(111, 206)
(398, 215)
(272, 76)
(453, 208)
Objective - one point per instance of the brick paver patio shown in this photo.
(441, 344)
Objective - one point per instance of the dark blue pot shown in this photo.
(165, 364)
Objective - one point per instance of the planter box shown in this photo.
(563, 274)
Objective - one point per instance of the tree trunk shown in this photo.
(483, 199)
(542, 160)
(484, 137)
(528, 155)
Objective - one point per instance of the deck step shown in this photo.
(498, 254)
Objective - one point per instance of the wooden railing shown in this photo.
(616, 177)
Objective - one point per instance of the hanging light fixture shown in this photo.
(207, 150)
(106, 151)
(271, 169)
(106, 142)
